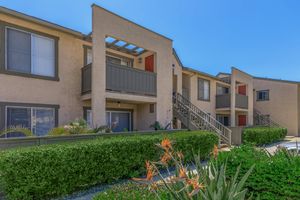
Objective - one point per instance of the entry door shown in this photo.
(242, 89)
(242, 120)
(149, 63)
(119, 121)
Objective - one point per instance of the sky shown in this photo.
(260, 37)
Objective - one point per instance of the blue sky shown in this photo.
(261, 37)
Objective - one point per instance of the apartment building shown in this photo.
(122, 75)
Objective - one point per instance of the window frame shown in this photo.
(198, 94)
(5, 105)
(3, 51)
(265, 99)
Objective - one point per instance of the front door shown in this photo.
(149, 63)
(242, 89)
(119, 121)
(242, 120)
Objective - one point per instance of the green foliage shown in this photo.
(52, 170)
(263, 135)
(21, 130)
(78, 126)
(102, 129)
(274, 177)
(58, 131)
(157, 126)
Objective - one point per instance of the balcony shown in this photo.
(122, 79)
(223, 101)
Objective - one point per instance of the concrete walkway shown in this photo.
(273, 147)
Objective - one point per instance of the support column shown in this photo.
(98, 75)
(232, 101)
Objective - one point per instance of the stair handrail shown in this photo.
(212, 127)
(270, 121)
(211, 120)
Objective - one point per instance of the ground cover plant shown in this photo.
(274, 177)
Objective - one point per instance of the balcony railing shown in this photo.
(123, 79)
(223, 101)
(241, 101)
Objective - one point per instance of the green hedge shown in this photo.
(275, 177)
(263, 135)
(53, 170)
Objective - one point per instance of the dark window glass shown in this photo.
(262, 95)
(18, 51)
(18, 117)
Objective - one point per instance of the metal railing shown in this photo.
(263, 120)
(223, 101)
(195, 118)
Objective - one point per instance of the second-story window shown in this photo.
(114, 59)
(203, 89)
(222, 90)
(262, 95)
(30, 53)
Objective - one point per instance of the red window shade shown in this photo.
(242, 89)
(242, 120)
(149, 63)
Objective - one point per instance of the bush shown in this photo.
(263, 135)
(274, 177)
(49, 171)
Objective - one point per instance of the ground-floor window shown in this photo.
(224, 119)
(40, 120)
(119, 121)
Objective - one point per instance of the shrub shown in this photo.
(58, 131)
(263, 135)
(16, 131)
(274, 177)
(52, 170)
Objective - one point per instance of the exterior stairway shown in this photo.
(196, 119)
(263, 120)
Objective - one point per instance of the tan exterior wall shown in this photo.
(66, 92)
(107, 24)
(282, 105)
(192, 83)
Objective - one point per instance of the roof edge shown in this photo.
(277, 80)
(204, 74)
(143, 27)
(40, 21)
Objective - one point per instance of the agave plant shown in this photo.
(198, 182)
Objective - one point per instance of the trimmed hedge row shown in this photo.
(263, 135)
(275, 177)
(53, 170)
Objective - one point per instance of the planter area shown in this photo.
(49, 171)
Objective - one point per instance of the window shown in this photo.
(119, 121)
(89, 56)
(262, 95)
(223, 119)
(30, 53)
(203, 89)
(114, 59)
(151, 108)
(222, 90)
(39, 120)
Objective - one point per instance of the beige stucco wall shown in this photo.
(66, 92)
(192, 83)
(283, 103)
(105, 24)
